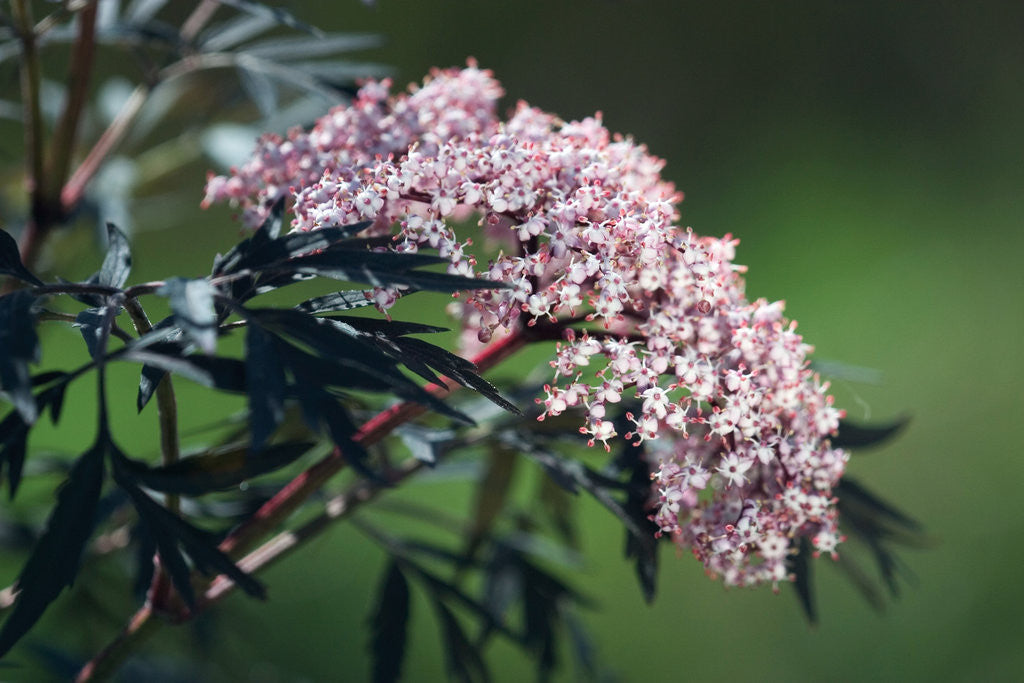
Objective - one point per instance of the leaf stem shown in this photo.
(170, 450)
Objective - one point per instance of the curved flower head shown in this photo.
(736, 423)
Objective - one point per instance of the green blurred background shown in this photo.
(869, 157)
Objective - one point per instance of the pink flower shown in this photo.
(590, 235)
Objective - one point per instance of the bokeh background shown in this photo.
(869, 157)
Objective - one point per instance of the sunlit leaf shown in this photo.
(117, 263)
(192, 303)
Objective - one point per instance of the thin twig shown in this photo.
(62, 144)
(170, 451)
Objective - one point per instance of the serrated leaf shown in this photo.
(19, 346)
(338, 301)
(454, 367)
(263, 253)
(800, 566)
(55, 558)
(462, 659)
(192, 303)
(169, 530)
(852, 435)
(265, 383)
(117, 263)
(10, 260)
(357, 363)
(217, 470)
(390, 625)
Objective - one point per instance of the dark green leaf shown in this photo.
(799, 566)
(462, 659)
(19, 346)
(10, 260)
(390, 626)
(192, 304)
(265, 382)
(13, 443)
(218, 469)
(117, 263)
(55, 559)
(852, 435)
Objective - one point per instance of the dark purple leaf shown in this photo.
(10, 260)
(265, 383)
(54, 561)
(390, 625)
(19, 346)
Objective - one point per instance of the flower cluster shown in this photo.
(736, 424)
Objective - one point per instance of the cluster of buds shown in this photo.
(735, 423)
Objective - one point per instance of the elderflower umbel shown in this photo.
(737, 425)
